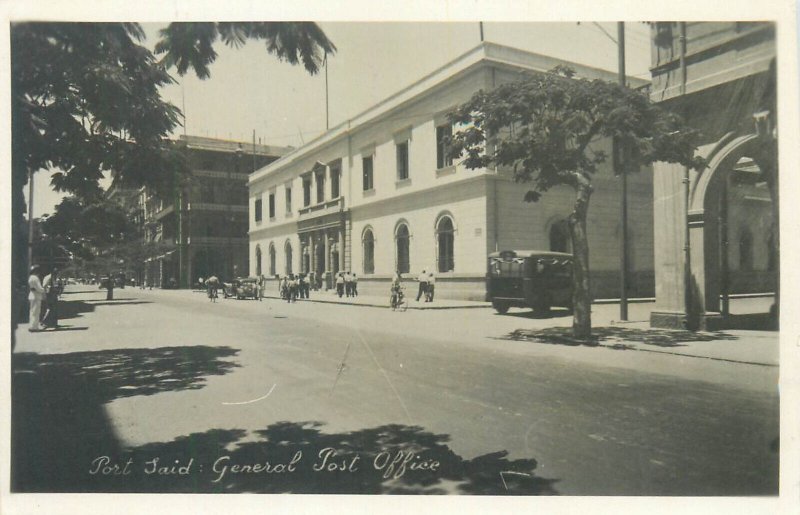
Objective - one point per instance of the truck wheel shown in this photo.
(500, 308)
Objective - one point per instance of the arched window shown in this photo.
(745, 249)
(559, 237)
(272, 266)
(258, 260)
(401, 236)
(772, 255)
(445, 231)
(288, 251)
(368, 245)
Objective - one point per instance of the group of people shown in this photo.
(43, 298)
(346, 284)
(292, 287)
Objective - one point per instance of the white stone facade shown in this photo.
(453, 217)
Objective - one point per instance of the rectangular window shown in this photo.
(288, 199)
(320, 187)
(258, 210)
(306, 191)
(271, 206)
(366, 166)
(336, 172)
(443, 133)
(402, 160)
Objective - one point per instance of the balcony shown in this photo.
(203, 206)
(323, 208)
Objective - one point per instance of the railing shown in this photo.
(323, 208)
(216, 240)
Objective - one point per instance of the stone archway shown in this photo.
(739, 168)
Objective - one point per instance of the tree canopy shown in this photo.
(191, 45)
(542, 128)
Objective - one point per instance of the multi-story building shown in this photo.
(718, 227)
(206, 219)
(378, 194)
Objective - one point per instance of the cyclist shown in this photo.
(213, 284)
(396, 289)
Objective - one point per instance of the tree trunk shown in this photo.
(581, 298)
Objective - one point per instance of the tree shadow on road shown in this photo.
(119, 302)
(128, 372)
(367, 461)
(73, 309)
(58, 418)
(617, 337)
(538, 315)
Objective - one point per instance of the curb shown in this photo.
(373, 305)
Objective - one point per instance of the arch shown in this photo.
(445, 243)
(368, 250)
(402, 241)
(287, 250)
(557, 231)
(258, 260)
(272, 259)
(719, 154)
(713, 241)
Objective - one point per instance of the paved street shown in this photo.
(247, 395)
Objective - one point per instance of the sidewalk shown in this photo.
(377, 301)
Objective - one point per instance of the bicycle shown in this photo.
(212, 294)
(397, 301)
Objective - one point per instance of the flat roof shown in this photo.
(485, 53)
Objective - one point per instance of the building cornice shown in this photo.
(484, 55)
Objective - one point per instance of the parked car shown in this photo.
(241, 288)
(529, 278)
(246, 288)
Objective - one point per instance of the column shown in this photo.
(313, 256)
(340, 246)
(327, 251)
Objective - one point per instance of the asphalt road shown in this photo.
(414, 402)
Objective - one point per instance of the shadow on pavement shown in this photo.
(617, 337)
(119, 302)
(73, 309)
(58, 418)
(292, 459)
(538, 315)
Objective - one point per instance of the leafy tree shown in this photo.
(85, 100)
(541, 129)
(191, 45)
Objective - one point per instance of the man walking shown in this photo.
(354, 283)
(35, 299)
(423, 284)
(431, 287)
(50, 285)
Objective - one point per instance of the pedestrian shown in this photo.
(291, 289)
(304, 286)
(200, 282)
(284, 287)
(50, 285)
(35, 299)
(355, 285)
(340, 284)
(431, 287)
(212, 283)
(348, 284)
(423, 284)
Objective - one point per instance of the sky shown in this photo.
(251, 90)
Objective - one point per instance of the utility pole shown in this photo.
(30, 219)
(623, 278)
